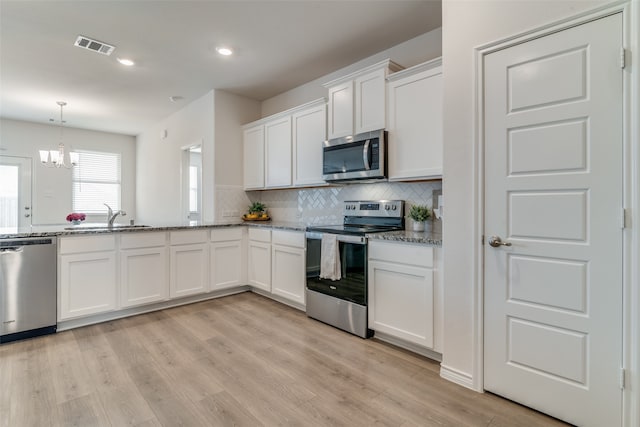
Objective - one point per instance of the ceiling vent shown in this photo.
(94, 45)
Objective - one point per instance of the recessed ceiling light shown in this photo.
(224, 51)
(126, 62)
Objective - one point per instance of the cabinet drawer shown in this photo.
(288, 238)
(402, 253)
(260, 235)
(226, 234)
(188, 237)
(142, 240)
(81, 244)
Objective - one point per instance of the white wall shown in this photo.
(51, 191)
(468, 24)
(213, 121)
(159, 163)
(414, 51)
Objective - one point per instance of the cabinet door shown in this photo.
(253, 139)
(87, 284)
(370, 101)
(226, 265)
(415, 126)
(189, 270)
(341, 110)
(277, 137)
(288, 273)
(143, 276)
(401, 301)
(309, 133)
(259, 265)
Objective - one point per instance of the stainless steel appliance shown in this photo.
(353, 158)
(343, 303)
(27, 288)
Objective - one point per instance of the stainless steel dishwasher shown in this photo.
(28, 289)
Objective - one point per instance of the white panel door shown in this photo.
(189, 270)
(259, 265)
(553, 187)
(370, 105)
(253, 140)
(15, 193)
(226, 265)
(341, 110)
(309, 133)
(277, 141)
(143, 276)
(288, 273)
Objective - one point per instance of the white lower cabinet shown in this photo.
(259, 259)
(227, 258)
(143, 269)
(288, 265)
(402, 293)
(87, 277)
(189, 263)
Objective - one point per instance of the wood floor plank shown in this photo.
(242, 360)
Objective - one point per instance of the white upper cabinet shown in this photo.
(415, 122)
(357, 101)
(277, 138)
(285, 149)
(309, 132)
(253, 138)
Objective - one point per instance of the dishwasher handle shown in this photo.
(24, 242)
(11, 249)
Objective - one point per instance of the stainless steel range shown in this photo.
(343, 302)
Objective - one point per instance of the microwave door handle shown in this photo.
(365, 155)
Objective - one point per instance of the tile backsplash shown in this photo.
(324, 205)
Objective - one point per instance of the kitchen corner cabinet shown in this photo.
(253, 140)
(288, 265)
(87, 277)
(309, 129)
(414, 128)
(402, 296)
(227, 258)
(277, 141)
(357, 101)
(259, 259)
(143, 268)
(189, 262)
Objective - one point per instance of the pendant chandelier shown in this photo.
(55, 158)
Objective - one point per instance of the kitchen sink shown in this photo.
(97, 227)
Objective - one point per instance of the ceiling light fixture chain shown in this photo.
(56, 158)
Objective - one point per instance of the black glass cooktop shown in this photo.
(354, 230)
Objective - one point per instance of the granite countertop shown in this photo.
(429, 237)
(89, 228)
(425, 237)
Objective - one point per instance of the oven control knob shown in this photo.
(394, 207)
(353, 207)
(386, 207)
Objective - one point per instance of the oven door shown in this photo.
(353, 259)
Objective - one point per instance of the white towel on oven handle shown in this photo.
(330, 257)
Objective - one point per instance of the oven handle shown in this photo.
(365, 155)
(357, 240)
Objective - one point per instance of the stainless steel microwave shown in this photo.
(352, 158)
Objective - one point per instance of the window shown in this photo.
(96, 180)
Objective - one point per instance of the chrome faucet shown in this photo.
(111, 215)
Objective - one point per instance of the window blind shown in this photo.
(96, 180)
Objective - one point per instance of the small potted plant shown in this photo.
(257, 211)
(419, 214)
(76, 218)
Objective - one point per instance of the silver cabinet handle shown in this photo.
(365, 155)
(495, 241)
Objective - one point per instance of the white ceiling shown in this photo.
(279, 45)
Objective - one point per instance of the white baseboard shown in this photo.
(458, 377)
(408, 346)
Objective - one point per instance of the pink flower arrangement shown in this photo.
(73, 216)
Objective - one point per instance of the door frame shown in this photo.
(631, 195)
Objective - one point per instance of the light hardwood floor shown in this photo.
(240, 360)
